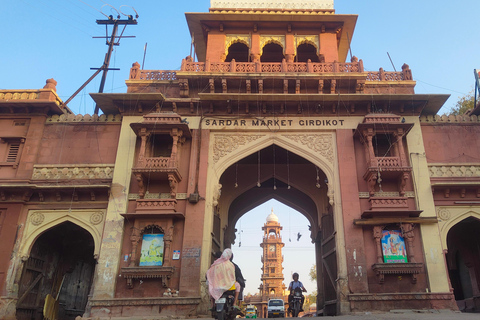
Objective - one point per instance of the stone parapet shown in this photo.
(80, 118)
(444, 170)
(436, 119)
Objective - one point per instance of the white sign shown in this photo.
(176, 254)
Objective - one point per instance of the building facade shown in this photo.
(120, 214)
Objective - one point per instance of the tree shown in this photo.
(464, 105)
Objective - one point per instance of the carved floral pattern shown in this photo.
(321, 143)
(96, 218)
(443, 213)
(225, 144)
(37, 218)
(47, 172)
(443, 171)
(280, 40)
(84, 118)
(313, 40)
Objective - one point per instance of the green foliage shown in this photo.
(463, 105)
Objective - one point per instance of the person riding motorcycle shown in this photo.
(221, 276)
(294, 285)
(239, 278)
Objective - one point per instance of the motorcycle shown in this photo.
(224, 308)
(296, 302)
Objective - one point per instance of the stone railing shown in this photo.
(466, 170)
(385, 162)
(270, 67)
(160, 162)
(61, 172)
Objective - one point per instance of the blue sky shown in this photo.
(44, 39)
(53, 39)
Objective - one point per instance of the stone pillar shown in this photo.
(106, 276)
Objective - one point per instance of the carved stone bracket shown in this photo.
(381, 269)
(163, 273)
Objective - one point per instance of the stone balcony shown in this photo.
(326, 77)
(270, 67)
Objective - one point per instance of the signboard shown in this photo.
(152, 250)
(176, 254)
(393, 247)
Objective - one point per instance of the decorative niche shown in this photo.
(394, 248)
(152, 261)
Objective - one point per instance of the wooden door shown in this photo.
(329, 265)
(30, 287)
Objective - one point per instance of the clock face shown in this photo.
(272, 248)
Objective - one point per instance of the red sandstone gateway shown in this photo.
(118, 215)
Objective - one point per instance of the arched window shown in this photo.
(307, 51)
(237, 51)
(272, 52)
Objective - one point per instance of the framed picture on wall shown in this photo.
(152, 250)
(393, 247)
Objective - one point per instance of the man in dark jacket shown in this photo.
(239, 278)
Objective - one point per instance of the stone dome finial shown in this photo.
(272, 217)
(51, 84)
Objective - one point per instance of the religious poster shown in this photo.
(152, 250)
(393, 247)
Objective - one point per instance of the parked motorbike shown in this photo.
(296, 302)
(224, 308)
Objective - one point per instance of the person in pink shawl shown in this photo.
(221, 276)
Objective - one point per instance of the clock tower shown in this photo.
(272, 269)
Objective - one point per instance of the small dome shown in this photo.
(272, 217)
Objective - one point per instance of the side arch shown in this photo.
(39, 221)
(450, 223)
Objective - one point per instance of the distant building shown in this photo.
(120, 215)
(272, 278)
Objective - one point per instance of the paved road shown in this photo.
(393, 315)
(405, 315)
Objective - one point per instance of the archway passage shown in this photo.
(464, 264)
(61, 265)
(277, 173)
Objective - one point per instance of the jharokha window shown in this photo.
(382, 145)
(161, 145)
(152, 247)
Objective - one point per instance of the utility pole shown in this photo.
(111, 43)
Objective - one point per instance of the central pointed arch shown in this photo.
(318, 151)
